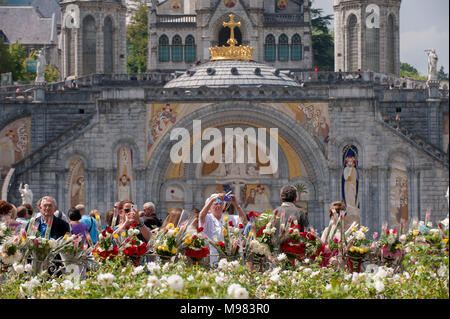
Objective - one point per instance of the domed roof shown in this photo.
(226, 73)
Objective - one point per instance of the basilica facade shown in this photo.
(360, 134)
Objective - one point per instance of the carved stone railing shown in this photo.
(416, 140)
(275, 19)
(176, 20)
(49, 148)
(20, 97)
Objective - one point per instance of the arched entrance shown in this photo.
(224, 35)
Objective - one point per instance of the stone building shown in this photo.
(342, 135)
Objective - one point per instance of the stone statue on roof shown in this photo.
(40, 68)
(432, 65)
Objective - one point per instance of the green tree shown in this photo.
(18, 55)
(442, 75)
(5, 58)
(408, 71)
(137, 41)
(322, 40)
(51, 73)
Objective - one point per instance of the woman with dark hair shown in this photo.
(78, 228)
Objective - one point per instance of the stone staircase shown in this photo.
(415, 140)
(53, 146)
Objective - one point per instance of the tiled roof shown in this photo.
(220, 74)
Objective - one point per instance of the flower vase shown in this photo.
(165, 259)
(37, 266)
(354, 264)
(72, 269)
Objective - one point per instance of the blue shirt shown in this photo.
(43, 228)
(92, 224)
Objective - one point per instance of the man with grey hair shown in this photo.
(50, 226)
(150, 218)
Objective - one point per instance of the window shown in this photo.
(352, 49)
(296, 48)
(163, 49)
(190, 54)
(177, 49)
(283, 48)
(390, 58)
(269, 48)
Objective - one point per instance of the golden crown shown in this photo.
(232, 52)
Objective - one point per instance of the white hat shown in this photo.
(211, 197)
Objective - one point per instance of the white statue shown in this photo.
(40, 68)
(26, 193)
(432, 65)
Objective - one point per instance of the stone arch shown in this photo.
(89, 42)
(108, 45)
(265, 116)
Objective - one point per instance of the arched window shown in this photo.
(177, 49)
(270, 48)
(296, 48)
(390, 34)
(108, 46)
(352, 44)
(283, 48)
(190, 51)
(163, 49)
(89, 45)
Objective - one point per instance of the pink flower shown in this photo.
(427, 215)
(375, 235)
(36, 241)
(387, 231)
(393, 231)
(373, 245)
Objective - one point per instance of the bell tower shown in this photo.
(93, 37)
(367, 36)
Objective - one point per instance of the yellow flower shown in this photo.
(363, 229)
(416, 232)
(123, 234)
(170, 225)
(445, 241)
(224, 232)
(352, 249)
(225, 218)
(174, 250)
(166, 248)
(175, 231)
(188, 241)
(66, 236)
(353, 228)
(398, 246)
(22, 239)
(188, 235)
(115, 236)
(97, 217)
(250, 234)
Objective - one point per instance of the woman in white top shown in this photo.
(211, 219)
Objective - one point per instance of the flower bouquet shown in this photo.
(357, 248)
(390, 245)
(196, 247)
(132, 247)
(105, 249)
(11, 251)
(5, 232)
(229, 247)
(168, 241)
(74, 254)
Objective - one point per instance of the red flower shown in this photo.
(393, 231)
(194, 237)
(133, 225)
(199, 230)
(104, 233)
(109, 230)
(275, 212)
(142, 249)
(221, 244)
(197, 254)
(127, 227)
(230, 223)
(260, 231)
(387, 231)
(241, 226)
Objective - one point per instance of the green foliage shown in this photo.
(442, 75)
(51, 73)
(137, 41)
(5, 58)
(408, 71)
(18, 55)
(322, 40)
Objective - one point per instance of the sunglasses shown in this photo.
(127, 210)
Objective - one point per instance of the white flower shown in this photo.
(19, 268)
(275, 278)
(402, 238)
(379, 286)
(175, 282)
(31, 284)
(237, 291)
(445, 222)
(152, 281)
(106, 279)
(138, 270)
(67, 284)
(220, 279)
(190, 278)
(315, 273)
(153, 267)
(223, 264)
(28, 268)
(281, 257)
(360, 235)
(430, 224)
(328, 287)
(371, 268)
(53, 243)
(381, 273)
(307, 271)
(442, 271)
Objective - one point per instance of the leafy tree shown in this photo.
(51, 73)
(137, 41)
(408, 71)
(322, 40)
(18, 55)
(5, 58)
(442, 75)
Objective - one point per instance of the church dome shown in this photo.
(226, 73)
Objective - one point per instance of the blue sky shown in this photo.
(424, 24)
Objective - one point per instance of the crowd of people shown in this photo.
(52, 222)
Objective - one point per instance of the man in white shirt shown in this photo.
(211, 219)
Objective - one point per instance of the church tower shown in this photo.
(93, 37)
(367, 36)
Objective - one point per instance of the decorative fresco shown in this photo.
(256, 197)
(280, 5)
(76, 183)
(398, 192)
(350, 184)
(125, 173)
(15, 143)
(229, 3)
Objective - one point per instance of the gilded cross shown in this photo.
(232, 24)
